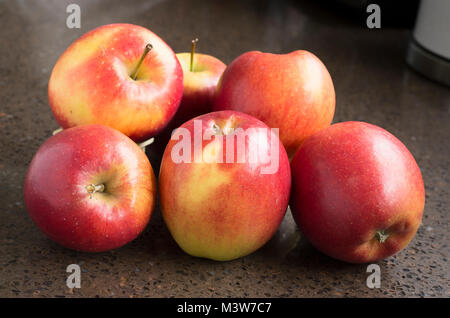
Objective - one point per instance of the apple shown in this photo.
(224, 195)
(293, 92)
(90, 188)
(201, 72)
(357, 192)
(106, 77)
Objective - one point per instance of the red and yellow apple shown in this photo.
(90, 188)
(221, 201)
(293, 92)
(92, 82)
(357, 192)
(199, 81)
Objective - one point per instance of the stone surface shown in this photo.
(372, 84)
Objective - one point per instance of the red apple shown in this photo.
(200, 81)
(357, 192)
(92, 82)
(199, 91)
(90, 188)
(223, 201)
(293, 92)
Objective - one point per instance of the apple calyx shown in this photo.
(93, 188)
(381, 236)
(147, 49)
(194, 43)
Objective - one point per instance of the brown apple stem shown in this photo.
(147, 49)
(93, 188)
(194, 43)
(381, 236)
(146, 143)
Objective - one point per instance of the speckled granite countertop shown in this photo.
(372, 84)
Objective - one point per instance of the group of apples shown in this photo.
(355, 191)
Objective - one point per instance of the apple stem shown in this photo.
(146, 143)
(381, 236)
(93, 188)
(57, 131)
(194, 42)
(217, 129)
(147, 49)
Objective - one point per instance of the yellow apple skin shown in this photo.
(223, 211)
(91, 83)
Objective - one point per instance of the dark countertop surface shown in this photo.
(372, 84)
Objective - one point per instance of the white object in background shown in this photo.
(432, 29)
(429, 50)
